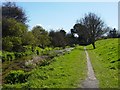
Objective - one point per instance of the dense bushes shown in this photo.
(7, 56)
(28, 50)
(14, 77)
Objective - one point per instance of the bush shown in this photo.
(8, 56)
(18, 55)
(67, 47)
(14, 77)
(57, 48)
(38, 50)
(45, 52)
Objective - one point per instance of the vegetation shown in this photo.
(64, 72)
(11, 10)
(16, 77)
(105, 62)
(58, 38)
(89, 28)
(40, 59)
(41, 37)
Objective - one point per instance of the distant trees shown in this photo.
(113, 33)
(58, 38)
(89, 28)
(15, 34)
(41, 36)
(28, 39)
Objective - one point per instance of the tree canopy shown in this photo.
(41, 36)
(89, 28)
(11, 10)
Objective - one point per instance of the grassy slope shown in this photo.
(105, 62)
(65, 72)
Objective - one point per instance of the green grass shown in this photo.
(67, 71)
(105, 62)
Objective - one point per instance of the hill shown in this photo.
(105, 62)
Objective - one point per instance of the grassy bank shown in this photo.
(105, 62)
(66, 71)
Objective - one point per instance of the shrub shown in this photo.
(28, 53)
(67, 47)
(7, 56)
(18, 54)
(44, 52)
(38, 50)
(57, 48)
(14, 77)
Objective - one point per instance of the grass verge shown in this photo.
(105, 62)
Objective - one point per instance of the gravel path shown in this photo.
(91, 81)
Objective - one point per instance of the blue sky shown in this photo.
(57, 15)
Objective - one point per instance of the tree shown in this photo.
(11, 10)
(71, 39)
(113, 33)
(10, 27)
(13, 31)
(28, 39)
(42, 37)
(89, 28)
(58, 38)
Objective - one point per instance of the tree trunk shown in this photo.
(93, 45)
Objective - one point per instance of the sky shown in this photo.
(63, 15)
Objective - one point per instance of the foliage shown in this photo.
(105, 61)
(7, 56)
(12, 35)
(11, 10)
(14, 77)
(7, 44)
(28, 39)
(71, 40)
(58, 38)
(38, 50)
(89, 28)
(113, 33)
(42, 38)
(12, 28)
